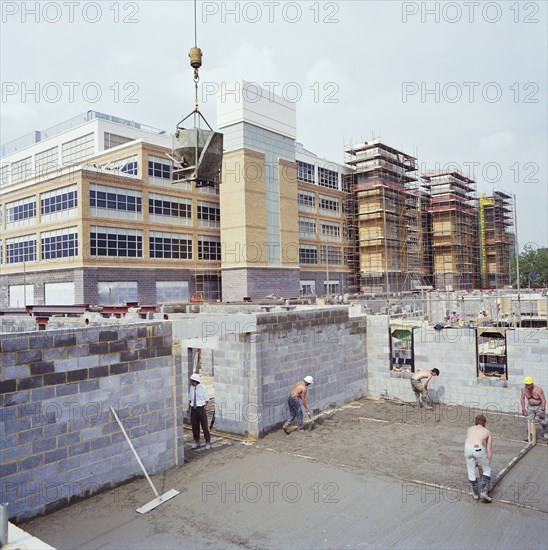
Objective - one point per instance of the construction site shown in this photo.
(140, 268)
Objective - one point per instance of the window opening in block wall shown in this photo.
(402, 348)
(491, 353)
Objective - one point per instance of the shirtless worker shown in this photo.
(420, 388)
(478, 447)
(536, 404)
(298, 395)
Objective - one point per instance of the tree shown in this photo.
(533, 267)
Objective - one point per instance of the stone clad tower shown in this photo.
(259, 217)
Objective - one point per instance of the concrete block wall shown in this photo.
(237, 397)
(453, 352)
(259, 283)
(527, 351)
(59, 440)
(254, 371)
(207, 362)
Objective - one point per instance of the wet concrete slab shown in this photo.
(527, 482)
(251, 496)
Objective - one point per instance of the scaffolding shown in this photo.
(496, 240)
(352, 250)
(454, 234)
(389, 216)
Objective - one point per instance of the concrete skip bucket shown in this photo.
(197, 155)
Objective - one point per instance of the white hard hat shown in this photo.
(195, 377)
(309, 379)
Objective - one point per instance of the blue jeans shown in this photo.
(295, 411)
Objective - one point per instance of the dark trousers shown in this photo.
(295, 411)
(198, 416)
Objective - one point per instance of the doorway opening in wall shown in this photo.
(402, 348)
(308, 289)
(491, 353)
(201, 361)
(331, 287)
(207, 287)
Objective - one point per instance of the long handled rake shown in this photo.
(160, 499)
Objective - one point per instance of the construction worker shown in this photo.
(535, 409)
(478, 448)
(197, 403)
(296, 397)
(420, 388)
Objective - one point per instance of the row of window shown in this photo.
(308, 254)
(125, 200)
(77, 149)
(113, 140)
(61, 243)
(159, 169)
(307, 203)
(71, 152)
(65, 198)
(170, 206)
(123, 243)
(127, 243)
(330, 230)
(24, 210)
(129, 166)
(114, 199)
(326, 178)
(111, 198)
(165, 245)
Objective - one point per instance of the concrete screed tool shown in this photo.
(160, 499)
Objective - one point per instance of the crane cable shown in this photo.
(195, 65)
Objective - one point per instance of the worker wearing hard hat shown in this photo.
(535, 409)
(296, 397)
(197, 402)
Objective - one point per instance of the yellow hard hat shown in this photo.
(528, 380)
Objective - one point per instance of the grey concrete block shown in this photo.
(54, 456)
(27, 435)
(69, 439)
(64, 365)
(8, 359)
(52, 430)
(31, 462)
(80, 449)
(14, 454)
(16, 371)
(66, 389)
(109, 359)
(88, 386)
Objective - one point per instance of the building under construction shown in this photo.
(496, 241)
(454, 235)
(389, 217)
(92, 211)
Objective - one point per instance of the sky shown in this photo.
(458, 84)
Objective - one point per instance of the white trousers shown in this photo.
(473, 455)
